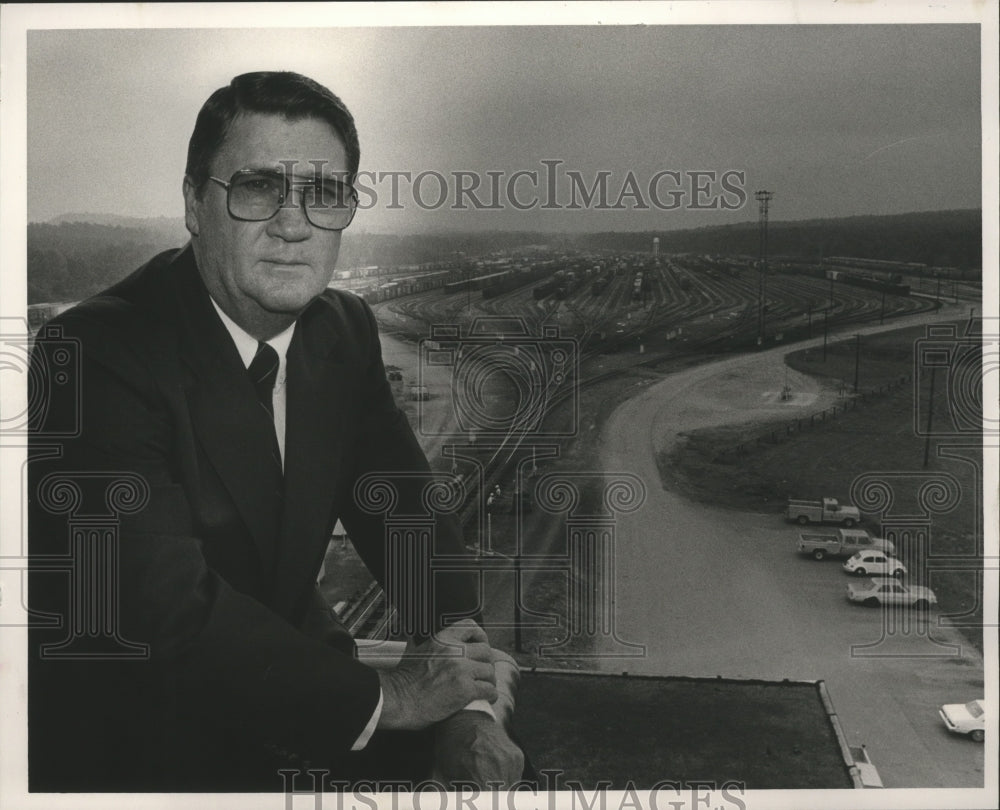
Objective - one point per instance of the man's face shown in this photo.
(265, 273)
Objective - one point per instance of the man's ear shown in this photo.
(191, 203)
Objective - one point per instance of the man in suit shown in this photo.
(242, 400)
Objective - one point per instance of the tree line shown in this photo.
(71, 260)
(938, 238)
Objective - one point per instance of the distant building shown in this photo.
(656, 245)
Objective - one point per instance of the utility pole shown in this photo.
(763, 199)
(930, 420)
(881, 317)
(825, 313)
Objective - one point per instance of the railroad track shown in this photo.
(367, 617)
(710, 294)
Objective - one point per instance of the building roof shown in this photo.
(637, 731)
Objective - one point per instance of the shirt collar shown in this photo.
(246, 344)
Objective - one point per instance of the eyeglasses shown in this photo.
(254, 195)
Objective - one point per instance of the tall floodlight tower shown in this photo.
(763, 198)
(656, 246)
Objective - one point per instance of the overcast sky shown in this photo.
(836, 120)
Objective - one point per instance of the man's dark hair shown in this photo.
(283, 93)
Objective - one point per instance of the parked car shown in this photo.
(874, 562)
(966, 718)
(842, 543)
(887, 591)
(826, 510)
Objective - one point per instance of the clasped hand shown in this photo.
(438, 678)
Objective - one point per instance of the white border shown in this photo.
(16, 20)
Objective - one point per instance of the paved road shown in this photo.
(722, 593)
(714, 592)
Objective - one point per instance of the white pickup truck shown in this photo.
(827, 510)
(842, 543)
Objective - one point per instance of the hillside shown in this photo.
(72, 257)
(942, 238)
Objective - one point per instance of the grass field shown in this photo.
(879, 436)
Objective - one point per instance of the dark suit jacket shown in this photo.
(247, 666)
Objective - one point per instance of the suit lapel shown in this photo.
(225, 414)
(321, 391)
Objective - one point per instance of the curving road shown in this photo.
(716, 592)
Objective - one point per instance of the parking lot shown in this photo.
(717, 592)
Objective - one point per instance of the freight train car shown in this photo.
(515, 279)
(637, 286)
(421, 283)
(455, 286)
(476, 283)
(546, 288)
(875, 264)
(890, 283)
(568, 285)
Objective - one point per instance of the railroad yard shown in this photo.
(697, 303)
(638, 322)
(626, 317)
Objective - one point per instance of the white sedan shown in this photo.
(874, 562)
(885, 591)
(966, 718)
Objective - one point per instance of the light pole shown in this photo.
(489, 523)
(516, 559)
(825, 313)
(763, 199)
(930, 420)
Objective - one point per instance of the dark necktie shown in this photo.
(263, 372)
